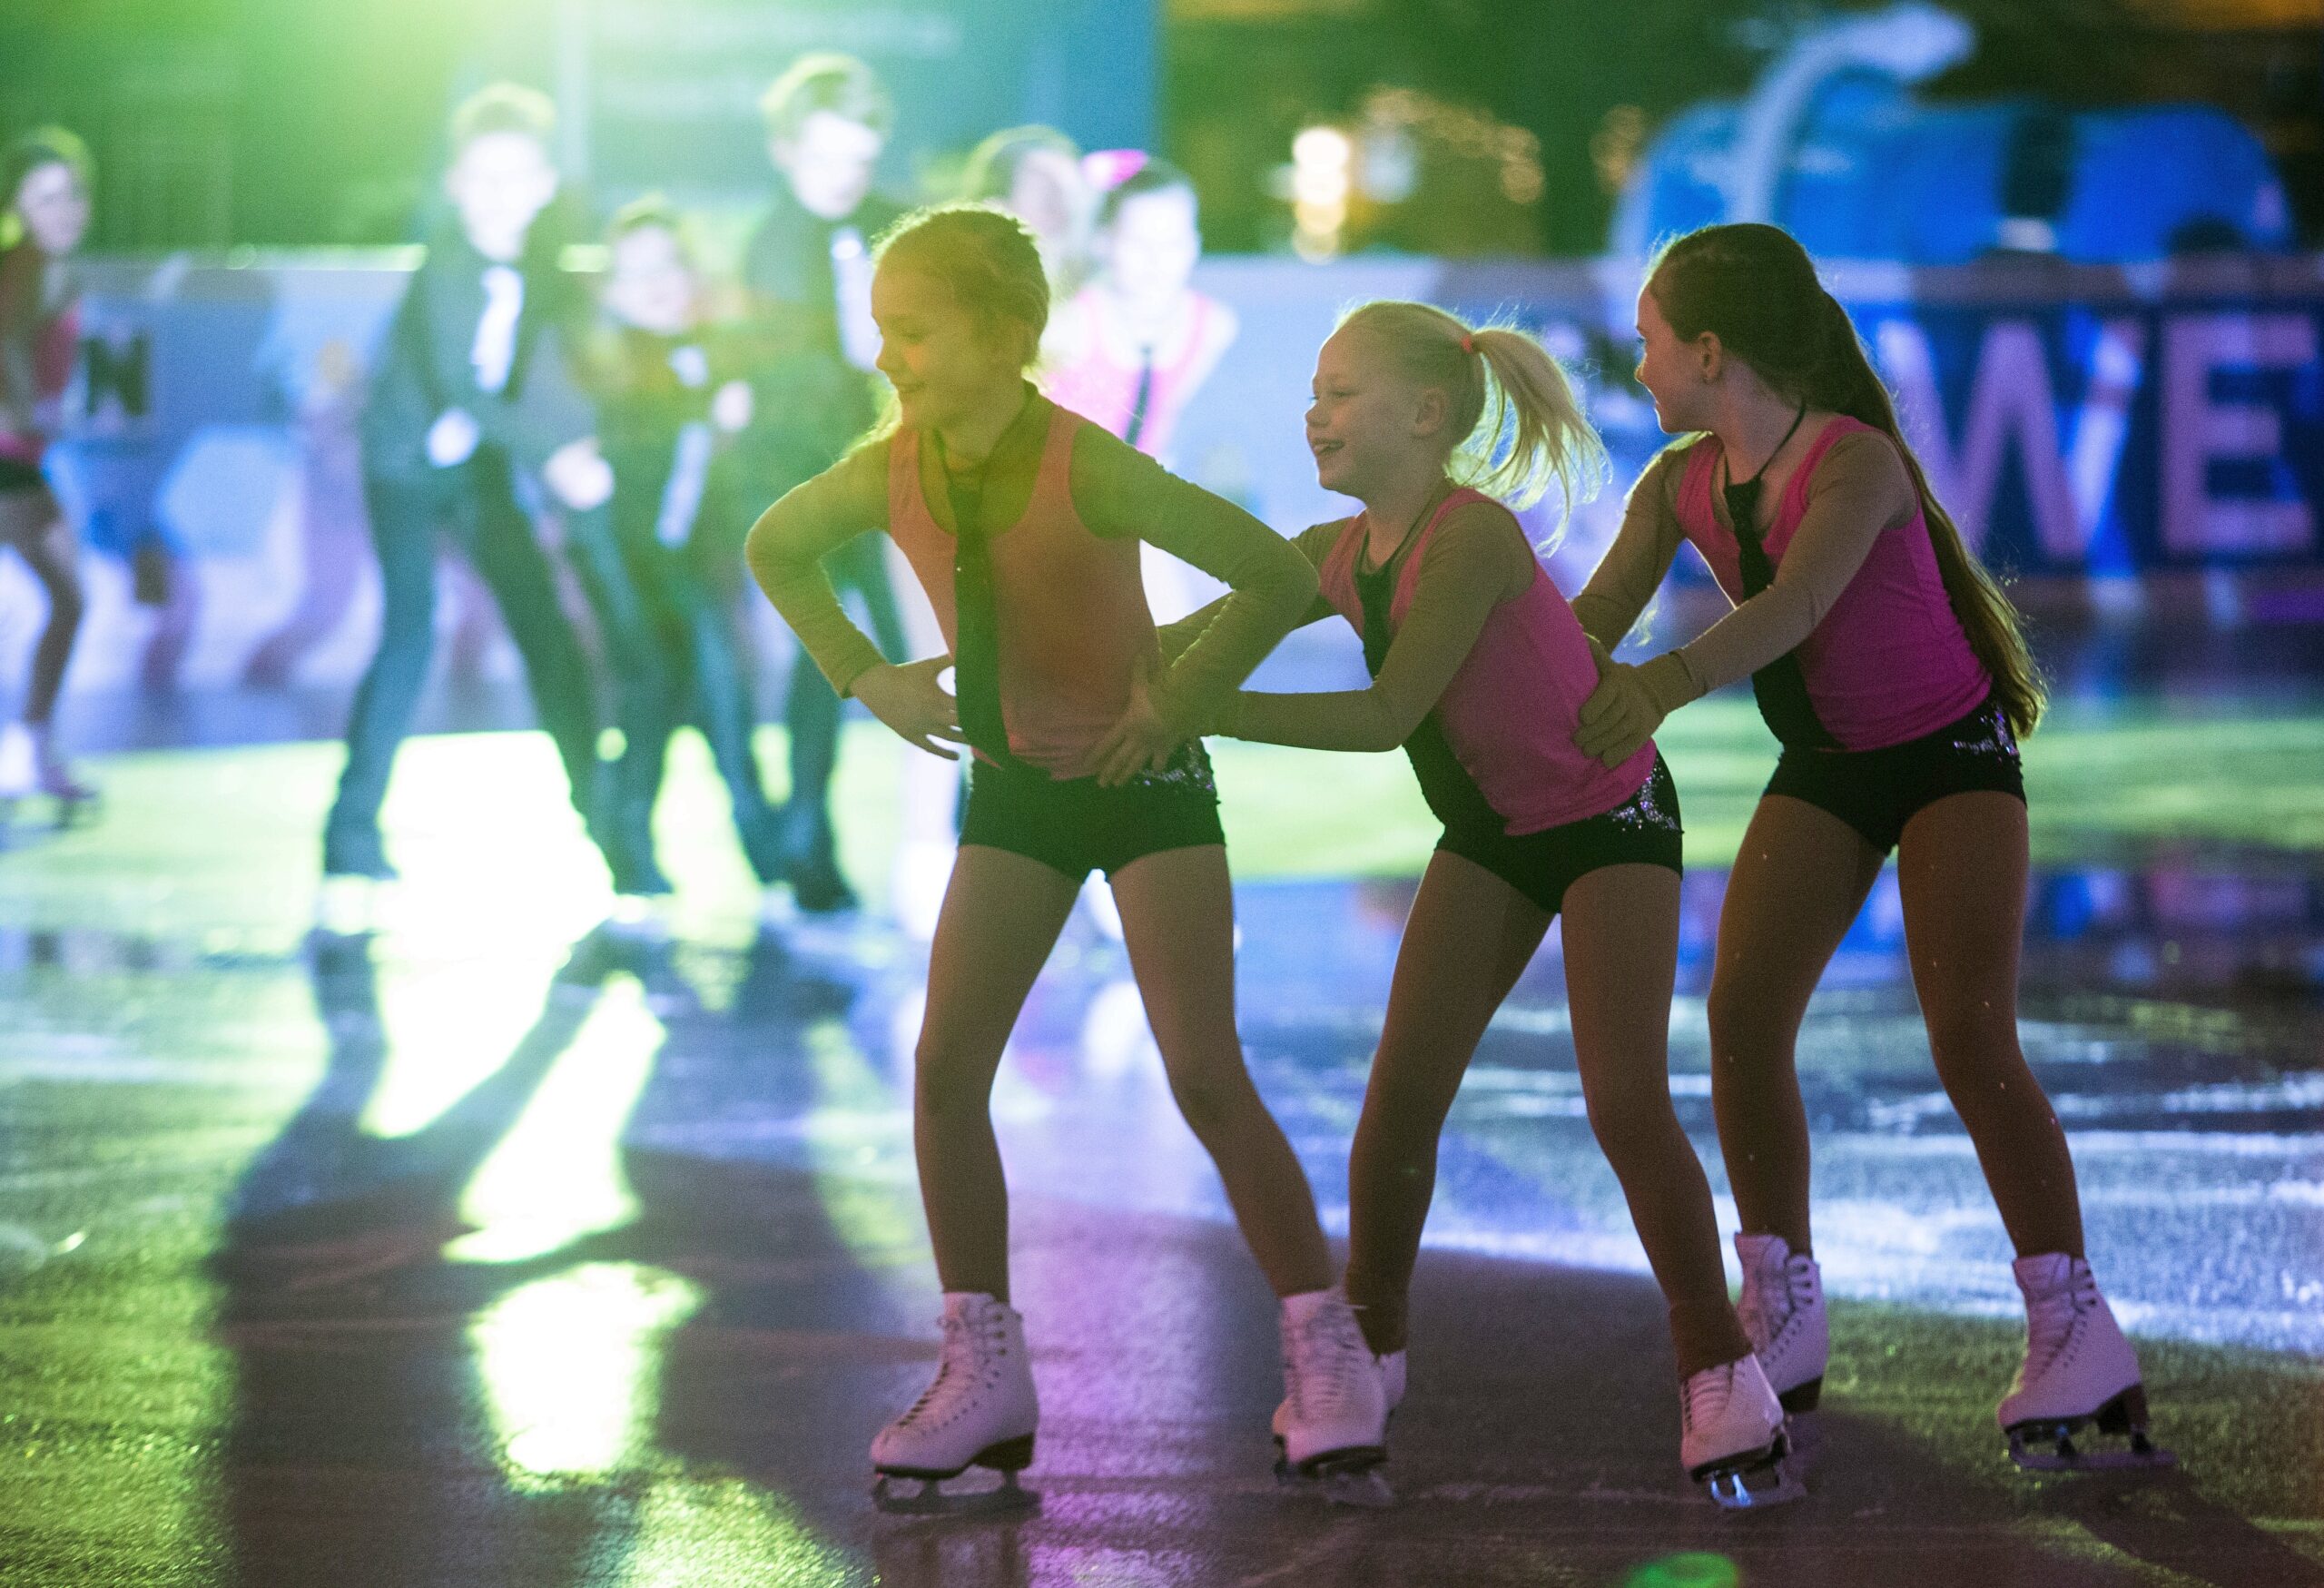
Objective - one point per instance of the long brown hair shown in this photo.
(1755, 288)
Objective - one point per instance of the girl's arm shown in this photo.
(1477, 559)
(1859, 490)
(1314, 544)
(1120, 492)
(1633, 566)
(787, 549)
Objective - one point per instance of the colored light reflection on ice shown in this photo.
(570, 1366)
(448, 1025)
(1698, 1569)
(557, 1177)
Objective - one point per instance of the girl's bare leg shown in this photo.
(1467, 940)
(1002, 916)
(1178, 923)
(1621, 960)
(1961, 867)
(35, 527)
(1798, 880)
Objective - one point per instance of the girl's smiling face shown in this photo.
(943, 361)
(1367, 420)
(53, 207)
(1671, 370)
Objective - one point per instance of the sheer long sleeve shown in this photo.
(1118, 491)
(1477, 559)
(1634, 568)
(787, 549)
(1314, 544)
(1859, 491)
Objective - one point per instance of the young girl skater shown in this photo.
(1895, 674)
(1479, 671)
(44, 215)
(1023, 522)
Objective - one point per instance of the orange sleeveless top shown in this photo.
(1072, 609)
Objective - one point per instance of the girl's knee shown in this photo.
(1972, 1046)
(1212, 1103)
(949, 1082)
(1746, 1040)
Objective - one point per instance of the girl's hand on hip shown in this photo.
(1144, 737)
(913, 704)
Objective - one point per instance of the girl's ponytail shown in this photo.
(1515, 416)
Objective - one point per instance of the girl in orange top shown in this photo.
(1023, 521)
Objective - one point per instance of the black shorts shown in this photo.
(1876, 792)
(1072, 825)
(1645, 831)
(16, 475)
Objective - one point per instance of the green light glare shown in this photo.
(709, 1532)
(1697, 1569)
(859, 1141)
(570, 1366)
(448, 1025)
(556, 1176)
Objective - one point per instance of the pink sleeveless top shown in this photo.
(1072, 610)
(1888, 662)
(1106, 392)
(1510, 712)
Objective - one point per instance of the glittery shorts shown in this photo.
(1072, 825)
(1876, 792)
(1645, 829)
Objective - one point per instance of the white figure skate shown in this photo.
(1782, 1312)
(1733, 1439)
(1331, 1429)
(980, 1410)
(2079, 1371)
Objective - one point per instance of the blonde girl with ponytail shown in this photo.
(1479, 671)
(1896, 676)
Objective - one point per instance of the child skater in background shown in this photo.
(1023, 522)
(475, 388)
(1035, 173)
(806, 279)
(44, 215)
(1133, 347)
(671, 395)
(1895, 673)
(1479, 671)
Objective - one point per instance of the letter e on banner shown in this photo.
(2199, 430)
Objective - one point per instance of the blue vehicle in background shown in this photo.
(1834, 145)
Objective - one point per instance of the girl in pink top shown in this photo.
(1133, 347)
(1023, 521)
(1130, 349)
(44, 215)
(1479, 673)
(1895, 674)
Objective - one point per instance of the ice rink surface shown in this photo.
(493, 1247)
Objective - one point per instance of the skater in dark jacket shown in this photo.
(472, 405)
(807, 279)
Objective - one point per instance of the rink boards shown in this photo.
(2100, 433)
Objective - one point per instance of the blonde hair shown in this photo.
(1517, 424)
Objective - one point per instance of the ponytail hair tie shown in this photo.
(1468, 342)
